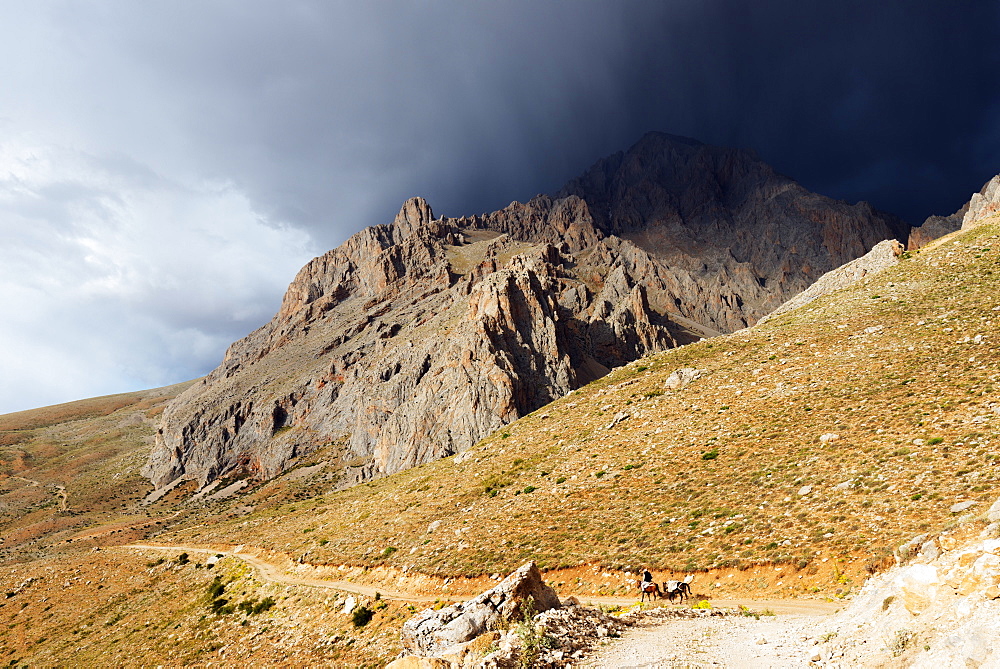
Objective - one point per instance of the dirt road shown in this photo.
(782, 640)
(275, 574)
(779, 642)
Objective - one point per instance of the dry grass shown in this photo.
(893, 367)
(121, 608)
(83, 456)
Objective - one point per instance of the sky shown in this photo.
(167, 166)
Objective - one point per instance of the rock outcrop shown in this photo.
(981, 205)
(414, 340)
(941, 609)
(984, 203)
(884, 254)
(434, 632)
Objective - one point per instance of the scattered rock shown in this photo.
(829, 437)
(416, 662)
(432, 632)
(619, 417)
(682, 378)
(349, 604)
(962, 506)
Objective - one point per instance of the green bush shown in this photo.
(216, 588)
(263, 605)
(361, 616)
(710, 455)
(221, 606)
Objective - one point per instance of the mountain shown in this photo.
(412, 341)
(806, 454)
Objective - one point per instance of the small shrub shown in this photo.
(710, 455)
(934, 440)
(221, 606)
(900, 642)
(263, 605)
(561, 479)
(216, 588)
(183, 558)
(600, 473)
(533, 639)
(530, 488)
(703, 604)
(389, 550)
(361, 616)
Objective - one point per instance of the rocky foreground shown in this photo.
(938, 607)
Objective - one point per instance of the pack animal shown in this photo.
(674, 589)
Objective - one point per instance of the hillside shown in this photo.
(70, 469)
(740, 468)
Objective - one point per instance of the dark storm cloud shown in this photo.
(166, 166)
(331, 114)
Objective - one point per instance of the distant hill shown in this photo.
(414, 340)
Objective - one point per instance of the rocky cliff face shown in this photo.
(981, 205)
(414, 340)
(984, 203)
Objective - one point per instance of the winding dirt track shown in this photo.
(275, 574)
(60, 490)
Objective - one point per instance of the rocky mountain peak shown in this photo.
(413, 340)
(414, 214)
(981, 205)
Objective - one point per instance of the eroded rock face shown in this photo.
(984, 203)
(947, 596)
(981, 205)
(414, 340)
(884, 254)
(433, 632)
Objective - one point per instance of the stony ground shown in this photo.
(779, 641)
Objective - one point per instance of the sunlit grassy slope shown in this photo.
(72, 466)
(729, 471)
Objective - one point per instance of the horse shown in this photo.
(677, 589)
(650, 589)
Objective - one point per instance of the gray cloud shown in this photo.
(166, 166)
